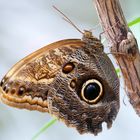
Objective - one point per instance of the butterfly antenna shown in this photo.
(67, 19)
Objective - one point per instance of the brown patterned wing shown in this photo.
(88, 94)
(73, 80)
(26, 85)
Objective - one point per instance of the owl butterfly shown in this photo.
(71, 79)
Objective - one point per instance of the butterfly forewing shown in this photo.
(26, 85)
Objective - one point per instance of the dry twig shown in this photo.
(122, 41)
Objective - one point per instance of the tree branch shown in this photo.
(122, 41)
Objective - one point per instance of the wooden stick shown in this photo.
(122, 41)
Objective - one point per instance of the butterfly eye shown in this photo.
(92, 91)
(67, 68)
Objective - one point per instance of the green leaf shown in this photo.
(45, 127)
(135, 21)
(118, 71)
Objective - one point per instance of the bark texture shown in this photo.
(124, 47)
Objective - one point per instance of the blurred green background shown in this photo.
(27, 25)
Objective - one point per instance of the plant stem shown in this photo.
(45, 127)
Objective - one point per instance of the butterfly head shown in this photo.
(92, 40)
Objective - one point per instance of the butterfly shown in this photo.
(73, 80)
